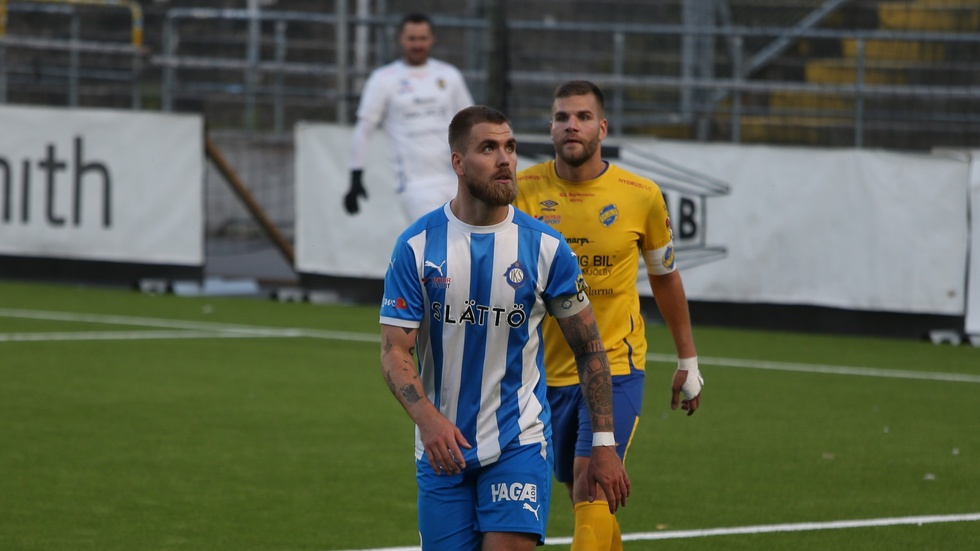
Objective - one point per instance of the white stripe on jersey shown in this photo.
(452, 345)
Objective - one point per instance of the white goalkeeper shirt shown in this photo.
(477, 296)
(414, 106)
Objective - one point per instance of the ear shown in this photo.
(603, 129)
(458, 163)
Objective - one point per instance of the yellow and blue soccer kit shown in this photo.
(611, 222)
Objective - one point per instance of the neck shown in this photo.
(477, 213)
(589, 170)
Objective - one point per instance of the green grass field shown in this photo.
(138, 422)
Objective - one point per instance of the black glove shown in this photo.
(356, 190)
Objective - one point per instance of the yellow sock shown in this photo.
(593, 526)
(617, 537)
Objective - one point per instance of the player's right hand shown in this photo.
(356, 190)
(442, 441)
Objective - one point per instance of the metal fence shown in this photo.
(697, 74)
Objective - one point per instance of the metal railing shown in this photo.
(74, 45)
(642, 68)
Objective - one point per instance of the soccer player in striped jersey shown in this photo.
(466, 290)
(610, 217)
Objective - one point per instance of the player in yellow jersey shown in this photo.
(610, 217)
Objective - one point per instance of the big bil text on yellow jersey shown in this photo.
(608, 222)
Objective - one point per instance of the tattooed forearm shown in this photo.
(400, 371)
(590, 347)
(391, 384)
(598, 387)
(582, 335)
(410, 394)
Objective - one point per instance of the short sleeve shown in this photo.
(565, 293)
(658, 244)
(402, 304)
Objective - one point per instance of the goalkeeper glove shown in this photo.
(356, 190)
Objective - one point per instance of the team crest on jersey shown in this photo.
(515, 275)
(608, 215)
(669, 258)
(441, 83)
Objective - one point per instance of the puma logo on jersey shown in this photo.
(533, 510)
(431, 264)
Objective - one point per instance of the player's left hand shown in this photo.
(607, 471)
(689, 382)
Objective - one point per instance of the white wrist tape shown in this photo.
(603, 439)
(692, 386)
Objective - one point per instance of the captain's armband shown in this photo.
(660, 261)
(563, 307)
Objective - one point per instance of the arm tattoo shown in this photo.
(410, 395)
(391, 384)
(590, 347)
(593, 367)
(408, 391)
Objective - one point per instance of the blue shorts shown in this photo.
(510, 495)
(573, 429)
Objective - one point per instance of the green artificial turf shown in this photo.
(265, 442)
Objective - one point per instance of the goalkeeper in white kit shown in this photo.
(413, 100)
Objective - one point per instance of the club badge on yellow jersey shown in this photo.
(608, 215)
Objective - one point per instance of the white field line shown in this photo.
(116, 336)
(203, 330)
(831, 369)
(188, 329)
(759, 529)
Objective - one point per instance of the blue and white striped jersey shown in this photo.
(478, 295)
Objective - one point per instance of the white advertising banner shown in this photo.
(972, 321)
(855, 229)
(328, 240)
(104, 185)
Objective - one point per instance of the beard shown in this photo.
(578, 159)
(491, 192)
